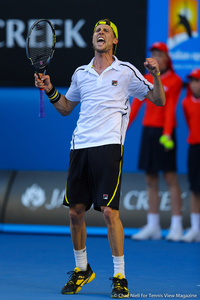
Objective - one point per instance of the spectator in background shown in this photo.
(191, 108)
(158, 148)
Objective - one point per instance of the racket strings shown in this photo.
(41, 44)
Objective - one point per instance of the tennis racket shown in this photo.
(40, 47)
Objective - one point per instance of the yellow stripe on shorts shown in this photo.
(118, 179)
(66, 194)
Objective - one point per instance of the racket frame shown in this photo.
(43, 68)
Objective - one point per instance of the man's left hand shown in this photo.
(152, 66)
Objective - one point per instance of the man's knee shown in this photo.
(110, 215)
(77, 213)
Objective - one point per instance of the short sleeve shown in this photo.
(139, 86)
(73, 93)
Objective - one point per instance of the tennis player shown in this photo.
(159, 123)
(103, 88)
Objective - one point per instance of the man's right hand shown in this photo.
(43, 82)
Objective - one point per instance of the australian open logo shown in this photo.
(33, 197)
(183, 21)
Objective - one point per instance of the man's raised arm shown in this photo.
(157, 95)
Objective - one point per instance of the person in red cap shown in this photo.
(191, 108)
(158, 148)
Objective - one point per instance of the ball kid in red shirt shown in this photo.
(191, 108)
(158, 148)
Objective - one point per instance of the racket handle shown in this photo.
(41, 104)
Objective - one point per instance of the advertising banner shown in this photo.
(37, 197)
(74, 22)
(178, 26)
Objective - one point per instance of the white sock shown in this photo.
(119, 265)
(153, 220)
(176, 221)
(81, 259)
(195, 221)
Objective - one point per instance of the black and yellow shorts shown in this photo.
(94, 177)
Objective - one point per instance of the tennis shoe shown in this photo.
(175, 234)
(191, 235)
(120, 286)
(77, 279)
(148, 232)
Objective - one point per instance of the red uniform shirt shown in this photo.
(160, 116)
(191, 108)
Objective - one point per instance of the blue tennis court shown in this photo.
(35, 266)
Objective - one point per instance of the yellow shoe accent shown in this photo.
(77, 280)
(120, 286)
(119, 275)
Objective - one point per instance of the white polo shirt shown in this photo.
(105, 107)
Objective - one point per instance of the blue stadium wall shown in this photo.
(34, 162)
(35, 151)
(32, 143)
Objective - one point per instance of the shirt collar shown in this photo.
(115, 65)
